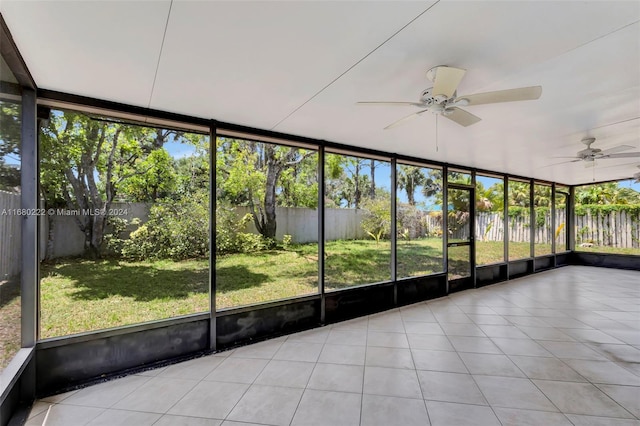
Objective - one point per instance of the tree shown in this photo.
(251, 173)
(347, 181)
(157, 178)
(377, 217)
(88, 161)
(519, 194)
(606, 193)
(409, 179)
(9, 145)
(541, 195)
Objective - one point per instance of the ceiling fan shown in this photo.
(589, 154)
(442, 98)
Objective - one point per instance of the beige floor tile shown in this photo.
(511, 392)
(517, 417)
(338, 378)
(450, 387)
(391, 382)
(581, 398)
(294, 374)
(319, 408)
(342, 354)
(210, 399)
(267, 405)
(388, 410)
(450, 414)
(156, 395)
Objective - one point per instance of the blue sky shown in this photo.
(382, 173)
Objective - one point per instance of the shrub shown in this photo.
(230, 233)
(377, 218)
(176, 229)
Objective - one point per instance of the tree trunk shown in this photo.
(269, 230)
(372, 193)
(97, 235)
(410, 194)
(357, 194)
(48, 253)
(274, 168)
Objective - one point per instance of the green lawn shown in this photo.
(606, 249)
(9, 320)
(80, 295)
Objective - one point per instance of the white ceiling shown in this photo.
(299, 67)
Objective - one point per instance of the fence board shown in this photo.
(10, 238)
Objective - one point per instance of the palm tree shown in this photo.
(518, 194)
(409, 179)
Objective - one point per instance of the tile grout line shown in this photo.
(415, 370)
(364, 368)
(304, 390)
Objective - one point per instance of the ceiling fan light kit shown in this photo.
(442, 98)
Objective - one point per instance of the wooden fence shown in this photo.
(10, 239)
(616, 229)
(490, 227)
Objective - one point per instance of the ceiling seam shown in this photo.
(164, 35)
(598, 38)
(354, 65)
(608, 125)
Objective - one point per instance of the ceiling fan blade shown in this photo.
(509, 95)
(564, 162)
(623, 155)
(616, 149)
(405, 119)
(374, 103)
(447, 81)
(574, 157)
(461, 116)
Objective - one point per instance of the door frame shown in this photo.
(470, 281)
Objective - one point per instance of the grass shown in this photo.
(80, 295)
(606, 249)
(9, 320)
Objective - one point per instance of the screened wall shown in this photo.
(10, 214)
(607, 218)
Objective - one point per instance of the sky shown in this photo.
(382, 172)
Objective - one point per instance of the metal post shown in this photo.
(532, 224)
(472, 229)
(321, 249)
(29, 236)
(553, 222)
(445, 225)
(212, 236)
(505, 213)
(394, 230)
(571, 231)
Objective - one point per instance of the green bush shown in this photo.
(176, 229)
(230, 233)
(377, 218)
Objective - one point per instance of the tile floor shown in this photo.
(557, 348)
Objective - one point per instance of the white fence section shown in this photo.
(68, 240)
(519, 228)
(616, 229)
(489, 227)
(302, 223)
(10, 238)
